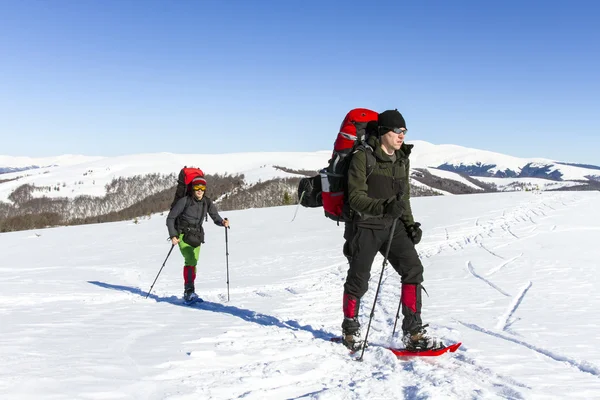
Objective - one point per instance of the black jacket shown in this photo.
(368, 195)
(190, 212)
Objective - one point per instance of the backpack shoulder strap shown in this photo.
(208, 203)
(187, 204)
(371, 161)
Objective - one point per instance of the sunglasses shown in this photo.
(199, 187)
(386, 129)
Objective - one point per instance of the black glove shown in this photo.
(414, 232)
(394, 208)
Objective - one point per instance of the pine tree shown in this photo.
(287, 199)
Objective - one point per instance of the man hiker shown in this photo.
(379, 199)
(185, 229)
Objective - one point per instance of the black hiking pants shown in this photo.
(361, 247)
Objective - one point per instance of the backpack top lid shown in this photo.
(353, 128)
(190, 173)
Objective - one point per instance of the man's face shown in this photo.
(393, 140)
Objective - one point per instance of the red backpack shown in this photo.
(330, 188)
(186, 175)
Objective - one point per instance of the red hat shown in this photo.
(198, 181)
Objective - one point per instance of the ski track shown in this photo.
(435, 378)
(472, 271)
(507, 229)
(432, 374)
(339, 384)
(438, 373)
(491, 252)
(583, 366)
(474, 234)
(500, 266)
(385, 315)
(503, 321)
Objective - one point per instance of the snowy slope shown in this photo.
(453, 176)
(91, 177)
(66, 159)
(414, 182)
(430, 155)
(513, 276)
(529, 183)
(79, 175)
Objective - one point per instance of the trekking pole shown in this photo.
(227, 259)
(385, 261)
(397, 314)
(298, 206)
(161, 268)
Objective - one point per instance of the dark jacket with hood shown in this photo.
(368, 195)
(190, 213)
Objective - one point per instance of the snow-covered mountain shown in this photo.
(17, 169)
(17, 164)
(81, 175)
(90, 177)
(475, 162)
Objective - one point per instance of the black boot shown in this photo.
(189, 293)
(351, 337)
(420, 339)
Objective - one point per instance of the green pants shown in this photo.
(190, 254)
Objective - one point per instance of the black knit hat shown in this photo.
(390, 119)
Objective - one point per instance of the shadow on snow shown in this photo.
(246, 315)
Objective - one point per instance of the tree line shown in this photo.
(143, 195)
(133, 197)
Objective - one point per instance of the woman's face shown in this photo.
(199, 191)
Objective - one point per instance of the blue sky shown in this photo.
(130, 76)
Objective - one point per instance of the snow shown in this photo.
(66, 159)
(430, 155)
(451, 175)
(513, 276)
(531, 183)
(91, 177)
(570, 172)
(81, 175)
(414, 182)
